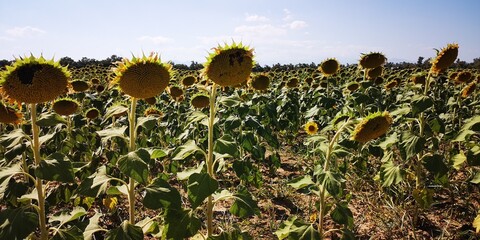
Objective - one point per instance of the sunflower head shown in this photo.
(463, 77)
(311, 128)
(229, 65)
(373, 73)
(292, 82)
(445, 58)
(372, 127)
(329, 67)
(352, 86)
(92, 113)
(372, 60)
(143, 77)
(80, 85)
(9, 115)
(469, 89)
(393, 83)
(65, 106)
(151, 100)
(175, 92)
(189, 81)
(34, 80)
(200, 100)
(153, 111)
(419, 78)
(260, 82)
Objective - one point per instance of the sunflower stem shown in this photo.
(131, 148)
(210, 171)
(38, 181)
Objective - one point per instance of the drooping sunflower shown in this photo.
(200, 100)
(372, 60)
(373, 73)
(143, 77)
(393, 83)
(92, 113)
(229, 65)
(153, 111)
(34, 80)
(188, 81)
(65, 106)
(151, 100)
(463, 77)
(80, 85)
(9, 115)
(418, 78)
(352, 86)
(175, 92)
(292, 82)
(372, 127)
(469, 89)
(311, 128)
(260, 82)
(329, 67)
(445, 58)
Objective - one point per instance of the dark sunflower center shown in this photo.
(27, 72)
(311, 128)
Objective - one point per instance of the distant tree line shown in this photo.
(110, 61)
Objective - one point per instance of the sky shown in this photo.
(280, 31)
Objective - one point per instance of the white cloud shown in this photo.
(266, 30)
(288, 15)
(155, 39)
(256, 18)
(24, 31)
(297, 24)
(5, 38)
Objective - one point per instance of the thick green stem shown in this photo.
(132, 147)
(210, 171)
(38, 181)
(326, 168)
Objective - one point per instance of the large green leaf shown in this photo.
(420, 103)
(49, 119)
(17, 223)
(244, 205)
(135, 165)
(180, 224)
(411, 144)
(185, 174)
(200, 186)
(147, 122)
(296, 229)
(235, 234)
(391, 174)
(15, 151)
(57, 167)
(342, 215)
(434, 164)
(226, 145)
(331, 181)
(126, 231)
(109, 133)
(70, 233)
(95, 184)
(115, 110)
(12, 138)
(458, 160)
(66, 217)
(6, 173)
(301, 182)
(186, 150)
(92, 227)
(389, 141)
(149, 226)
(159, 194)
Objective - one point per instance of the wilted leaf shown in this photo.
(56, 168)
(49, 119)
(126, 231)
(17, 223)
(186, 150)
(301, 182)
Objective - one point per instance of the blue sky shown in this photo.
(280, 31)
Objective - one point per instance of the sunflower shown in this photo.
(445, 58)
(200, 100)
(65, 106)
(175, 92)
(419, 78)
(143, 77)
(153, 111)
(372, 60)
(391, 84)
(373, 73)
(79, 86)
(188, 81)
(352, 86)
(92, 113)
(260, 82)
(311, 128)
(292, 82)
(463, 77)
(329, 67)
(9, 115)
(151, 100)
(469, 89)
(372, 127)
(34, 80)
(229, 65)
(309, 81)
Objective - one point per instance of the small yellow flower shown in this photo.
(110, 203)
(311, 128)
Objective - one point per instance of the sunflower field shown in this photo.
(143, 150)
